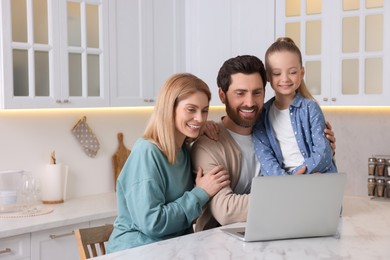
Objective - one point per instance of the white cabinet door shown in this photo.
(146, 47)
(344, 47)
(221, 29)
(56, 243)
(84, 49)
(54, 54)
(15, 248)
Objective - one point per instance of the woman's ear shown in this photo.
(221, 95)
(302, 72)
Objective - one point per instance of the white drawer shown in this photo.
(16, 247)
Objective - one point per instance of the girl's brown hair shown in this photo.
(286, 44)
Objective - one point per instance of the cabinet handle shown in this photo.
(149, 100)
(325, 99)
(61, 235)
(65, 101)
(5, 251)
(333, 99)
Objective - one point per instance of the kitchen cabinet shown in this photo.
(137, 45)
(146, 47)
(151, 40)
(146, 41)
(60, 243)
(54, 54)
(15, 247)
(50, 236)
(57, 243)
(221, 29)
(345, 48)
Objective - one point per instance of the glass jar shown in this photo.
(380, 187)
(371, 166)
(380, 167)
(10, 199)
(371, 186)
(388, 189)
(388, 167)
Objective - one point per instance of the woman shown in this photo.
(155, 191)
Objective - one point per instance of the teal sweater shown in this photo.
(156, 200)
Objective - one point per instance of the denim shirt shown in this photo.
(308, 123)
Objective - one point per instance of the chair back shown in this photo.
(90, 241)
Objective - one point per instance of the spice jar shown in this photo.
(388, 189)
(371, 186)
(388, 168)
(380, 188)
(380, 167)
(371, 166)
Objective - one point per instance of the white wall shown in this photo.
(27, 137)
(360, 133)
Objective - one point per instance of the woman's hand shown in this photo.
(213, 181)
(330, 136)
(211, 130)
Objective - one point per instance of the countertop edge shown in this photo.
(77, 210)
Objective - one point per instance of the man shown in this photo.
(241, 82)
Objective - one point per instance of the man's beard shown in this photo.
(237, 119)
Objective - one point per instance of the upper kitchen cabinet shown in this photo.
(345, 47)
(221, 29)
(54, 53)
(146, 47)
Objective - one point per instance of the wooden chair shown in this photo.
(89, 238)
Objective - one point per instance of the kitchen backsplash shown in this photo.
(28, 137)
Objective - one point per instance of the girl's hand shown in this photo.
(301, 171)
(213, 181)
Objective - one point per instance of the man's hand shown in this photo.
(330, 136)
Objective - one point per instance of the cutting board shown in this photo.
(119, 158)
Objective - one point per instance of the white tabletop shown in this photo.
(70, 212)
(364, 234)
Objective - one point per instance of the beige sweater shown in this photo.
(225, 207)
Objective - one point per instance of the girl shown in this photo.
(289, 138)
(155, 191)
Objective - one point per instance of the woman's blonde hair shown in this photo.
(161, 127)
(286, 44)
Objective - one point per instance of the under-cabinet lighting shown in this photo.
(75, 110)
(149, 109)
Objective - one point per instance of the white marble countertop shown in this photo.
(70, 212)
(364, 234)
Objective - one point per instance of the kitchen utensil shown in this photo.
(86, 137)
(119, 158)
(10, 183)
(54, 182)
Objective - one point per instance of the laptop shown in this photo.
(293, 206)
